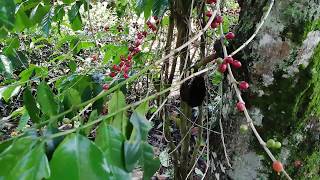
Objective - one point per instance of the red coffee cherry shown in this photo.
(236, 64)
(241, 106)
(228, 60)
(230, 35)
(222, 68)
(277, 166)
(243, 85)
(105, 87)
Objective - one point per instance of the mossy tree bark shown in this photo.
(282, 65)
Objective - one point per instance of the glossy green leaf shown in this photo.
(33, 70)
(150, 164)
(112, 52)
(132, 154)
(84, 45)
(143, 108)
(38, 13)
(7, 10)
(45, 98)
(110, 140)
(216, 78)
(18, 60)
(11, 45)
(141, 127)
(93, 116)
(23, 121)
(31, 105)
(68, 1)
(46, 21)
(5, 65)
(75, 17)
(159, 7)
(24, 159)
(144, 6)
(71, 98)
(9, 91)
(120, 120)
(59, 13)
(78, 158)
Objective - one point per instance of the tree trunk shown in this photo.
(282, 65)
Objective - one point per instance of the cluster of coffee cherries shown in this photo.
(126, 62)
(223, 66)
(153, 22)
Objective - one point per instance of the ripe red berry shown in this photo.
(129, 57)
(149, 23)
(277, 166)
(137, 42)
(140, 35)
(222, 68)
(137, 49)
(155, 18)
(230, 35)
(228, 60)
(241, 106)
(243, 85)
(236, 64)
(105, 87)
(94, 57)
(128, 64)
(209, 13)
(112, 74)
(116, 68)
(125, 75)
(126, 69)
(144, 33)
(214, 25)
(211, 1)
(218, 19)
(121, 64)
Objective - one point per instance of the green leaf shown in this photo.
(33, 70)
(7, 10)
(93, 116)
(217, 78)
(18, 60)
(38, 13)
(112, 52)
(22, 21)
(46, 100)
(120, 120)
(75, 17)
(132, 154)
(149, 164)
(144, 6)
(46, 21)
(9, 91)
(5, 65)
(71, 98)
(59, 13)
(31, 105)
(141, 127)
(84, 45)
(68, 1)
(110, 140)
(11, 45)
(24, 159)
(143, 108)
(159, 7)
(23, 121)
(78, 158)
